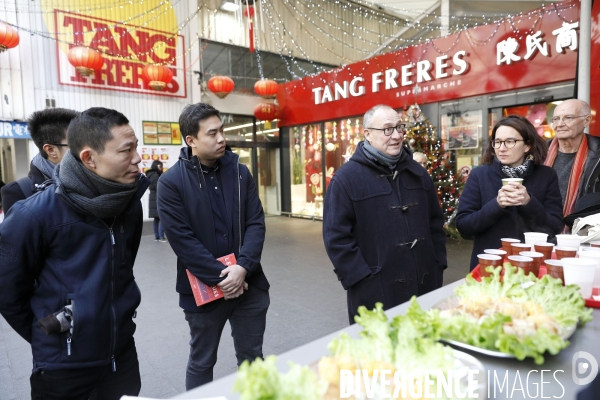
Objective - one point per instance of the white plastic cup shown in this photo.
(568, 241)
(577, 272)
(506, 181)
(535, 237)
(593, 255)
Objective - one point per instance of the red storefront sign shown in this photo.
(533, 49)
(126, 49)
(595, 69)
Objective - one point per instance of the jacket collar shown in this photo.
(405, 164)
(190, 161)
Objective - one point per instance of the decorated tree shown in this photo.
(421, 136)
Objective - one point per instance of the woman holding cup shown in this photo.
(491, 209)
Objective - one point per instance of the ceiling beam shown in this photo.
(405, 29)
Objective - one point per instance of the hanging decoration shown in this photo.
(266, 88)
(9, 37)
(221, 85)
(85, 60)
(266, 111)
(249, 13)
(157, 76)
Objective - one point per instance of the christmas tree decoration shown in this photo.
(421, 136)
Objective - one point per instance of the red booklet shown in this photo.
(203, 293)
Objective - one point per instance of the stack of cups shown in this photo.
(578, 271)
(532, 238)
(506, 245)
(568, 241)
(593, 253)
(487, 260)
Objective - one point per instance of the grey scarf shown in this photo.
(45, 166)
(90, 193)
(520, 171)
(375, 155)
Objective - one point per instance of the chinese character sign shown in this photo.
(14, 130)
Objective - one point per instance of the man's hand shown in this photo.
(233, 285)
(238, 293)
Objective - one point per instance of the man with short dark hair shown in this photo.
(382, 221)
(48, 129)
(66, 259)
(210, 208)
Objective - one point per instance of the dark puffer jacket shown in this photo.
(50, 256)
(384, 231)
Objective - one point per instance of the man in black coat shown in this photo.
(382, 222)
(48, 129)
(66, 262)
(209, 207)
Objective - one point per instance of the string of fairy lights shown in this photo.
(351, 35)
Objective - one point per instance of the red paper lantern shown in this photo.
(9, 37)
(266, 88)
(249, 11)
(157, 76)
(85, 60)
(266, 111)
(221, 85)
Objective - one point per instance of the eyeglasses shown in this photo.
(508, 143)
(567, 119)
(388, 131)
(59, 144)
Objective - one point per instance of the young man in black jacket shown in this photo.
(48, 129)
(209, 206)
(66, 262)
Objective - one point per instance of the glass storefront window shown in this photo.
(539, 115)
(461, 133)
(238, 128)
(313, 147)
(267, 131)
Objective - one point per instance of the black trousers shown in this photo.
(247, 315)
(90, 383)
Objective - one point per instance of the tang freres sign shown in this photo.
(126, 49)
(525, 51)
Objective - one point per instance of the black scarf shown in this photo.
(375, 155)
(520, 171)
(89, 193)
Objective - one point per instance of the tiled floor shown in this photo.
(307, 302)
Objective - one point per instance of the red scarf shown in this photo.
(576, 171)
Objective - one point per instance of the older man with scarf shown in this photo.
(382, 222)
(66, 261)
(574, 155)
(48, 129)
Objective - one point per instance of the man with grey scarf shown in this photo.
(382, 222)
(48, 129)
(72, 247)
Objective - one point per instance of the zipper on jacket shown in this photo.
(69, 337)
(112, 293)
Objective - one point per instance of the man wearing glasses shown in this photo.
(574, 155)
(382, 222)
(48, 129)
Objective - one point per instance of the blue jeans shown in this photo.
(159, 233)
(90, 383)
(247, 316)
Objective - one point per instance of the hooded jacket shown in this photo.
(480, 215)
(383, 231)
(187, 217)
(52, 256)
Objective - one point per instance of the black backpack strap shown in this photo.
(26, 186)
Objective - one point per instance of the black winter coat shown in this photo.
(384, 231)
(479, 214)
(153, 175)
(11, 193)
(185, 212)
(50, 256)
